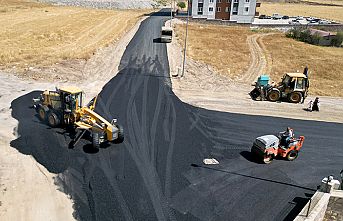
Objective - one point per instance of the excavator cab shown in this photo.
(294, 81)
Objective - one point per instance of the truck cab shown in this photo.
(166, 34)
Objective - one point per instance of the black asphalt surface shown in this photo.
(157, 173)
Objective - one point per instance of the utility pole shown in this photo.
(185, 47)
(171, 12)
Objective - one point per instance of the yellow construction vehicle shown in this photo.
(64, 107)
(293, 88)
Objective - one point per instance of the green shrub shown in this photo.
(315, 39)
(337, 40)
(181, 5)
(305, 36)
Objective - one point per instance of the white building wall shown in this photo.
(243, 16)
(206, 5)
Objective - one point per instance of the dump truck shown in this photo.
(166, 34)
(293, 88)
(268, 147)
(64, 108)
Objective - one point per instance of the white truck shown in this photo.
(166, 34)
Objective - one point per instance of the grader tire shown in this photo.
(292, 155)
(274, 95)
(96, 140)
(41, 113)
(53, 119)
(295, 97)
(120, 138)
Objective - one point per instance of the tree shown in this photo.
(316, 39)
(181, 5)
(337, 40)
(305, 36)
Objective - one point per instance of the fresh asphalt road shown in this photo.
(157, 173)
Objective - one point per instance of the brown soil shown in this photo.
(203, 86)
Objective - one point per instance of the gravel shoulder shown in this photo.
(201, 86)
(27, 189)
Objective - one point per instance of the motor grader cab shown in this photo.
(64, 107)
(293, 87)
(60, 106)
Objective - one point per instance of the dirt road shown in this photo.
(259, 59)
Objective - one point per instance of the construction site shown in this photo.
(149, 110)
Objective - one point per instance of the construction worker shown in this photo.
(310, 104)
(316, 104)
(287, 137)
(306, 83)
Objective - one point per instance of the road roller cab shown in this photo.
(268, 147)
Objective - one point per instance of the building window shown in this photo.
(227, 9)
(235, 1)
(228, 1)
(247, 1)
(199, 10)
(219, 1)
(211, 1)
(210, 9)
(246, 9)
(219, 9)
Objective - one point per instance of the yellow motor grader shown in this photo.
(64, 107)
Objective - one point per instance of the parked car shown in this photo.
(276, 16)
(299, 18)
(262, 17)
(310, 19)
(294, 22)
(324, 22)
(285, 17)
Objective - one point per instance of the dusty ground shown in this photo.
(327, 12)
(269, 51)
(35, 36)
(231, 57)
(324, 2)
(325, 63)
(27, 190)
(202, 86)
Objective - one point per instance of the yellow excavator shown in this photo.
(64, 107)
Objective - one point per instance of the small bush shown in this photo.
(315, 39)
(181, 5)
(337, 40)
(304, 35)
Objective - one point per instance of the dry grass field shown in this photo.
(225, 48)
(325, 63)
(326, 12)
(326, 2)
(35, 34)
